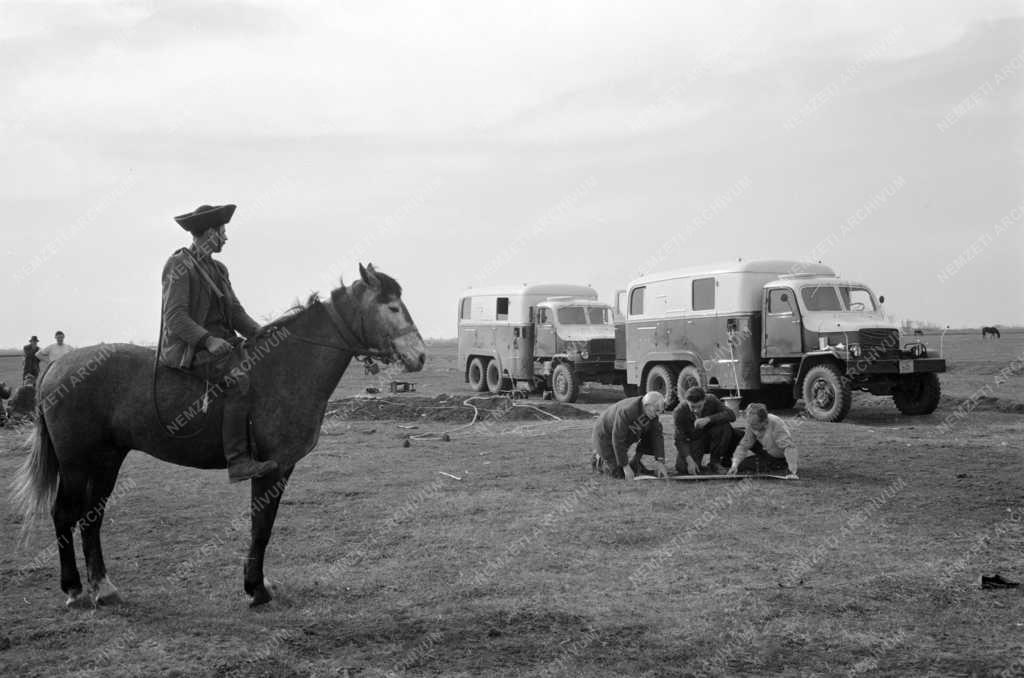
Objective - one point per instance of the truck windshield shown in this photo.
(821, 298)
(857, 299)
(584, 315)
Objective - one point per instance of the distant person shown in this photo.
(30, 371)
(201, 321)
(5, 393)
(704, 433)
(58, 349)
(768, 440)
(629, 421)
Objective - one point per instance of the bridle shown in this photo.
(355, 343)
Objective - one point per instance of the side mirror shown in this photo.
(881, 299)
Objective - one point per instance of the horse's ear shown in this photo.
(369, 277)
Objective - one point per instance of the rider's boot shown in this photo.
(235, 432)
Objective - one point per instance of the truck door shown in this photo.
(783, 331)
(544, 346)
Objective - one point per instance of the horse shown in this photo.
(100, 402)
(987, 331)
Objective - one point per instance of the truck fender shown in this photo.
(809, 360)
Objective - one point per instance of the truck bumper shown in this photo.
(897, 366)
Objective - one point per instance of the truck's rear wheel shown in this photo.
(918, 394)
(662, 378)
(477, 374)
(495, 381)
(827, 395)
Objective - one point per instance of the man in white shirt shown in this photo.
(769, 433)
(58, 350)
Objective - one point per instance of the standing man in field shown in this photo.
(201, 321)
(704, 433)
(30, 370)
(633, 420)
(766, 436)
(58, 349)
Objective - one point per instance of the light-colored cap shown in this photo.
(654, 399)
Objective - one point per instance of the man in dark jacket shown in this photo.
(704, 433)
(633, 420)
(30, 370)
(202, 318)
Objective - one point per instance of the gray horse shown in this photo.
(100, 402)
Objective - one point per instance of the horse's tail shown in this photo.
(35, 483)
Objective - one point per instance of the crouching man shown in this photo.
(704, 432)
(633, 420)
(767, 439)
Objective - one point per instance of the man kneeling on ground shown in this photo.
(767, 436)
(704, 433)
(633, 420)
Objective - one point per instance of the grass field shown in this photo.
(530, 566)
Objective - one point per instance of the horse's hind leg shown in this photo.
(67, 509)
(102, 480)
(266, 496)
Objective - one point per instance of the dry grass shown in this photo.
(530, 566)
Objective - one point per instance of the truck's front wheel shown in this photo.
(689, 377)
(564, 384)
(827, 395)
(477, 374)
(918, 394)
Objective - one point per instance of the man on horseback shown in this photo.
(202, 319)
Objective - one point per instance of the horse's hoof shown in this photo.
(261, 594)
(77, 600)
(105, 593)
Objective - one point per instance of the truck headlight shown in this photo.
(855, 350)
(585, 354)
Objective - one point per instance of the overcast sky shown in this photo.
(478, 143)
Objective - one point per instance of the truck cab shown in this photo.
(827, 336)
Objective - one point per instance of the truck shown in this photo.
(543, 337)
(772, 331)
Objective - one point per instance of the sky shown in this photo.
(459, 144)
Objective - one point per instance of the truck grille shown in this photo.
(602, 347)
(879, 341)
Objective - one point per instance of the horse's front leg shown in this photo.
(266, 496)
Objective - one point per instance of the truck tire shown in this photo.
(827, 395)
(477, 374)
(662, 378)
(495, 381)
(565, 385)
(689, 377)
(918, 394)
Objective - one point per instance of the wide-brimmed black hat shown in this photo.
(205, 217)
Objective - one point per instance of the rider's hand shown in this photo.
(627, 471)
(702, 422)
(732, 470)
(691, 467)
(217, 346)
(660, 470)
(705, 461)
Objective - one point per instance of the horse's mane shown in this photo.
(389, 287)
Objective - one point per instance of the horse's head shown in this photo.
(386, 325)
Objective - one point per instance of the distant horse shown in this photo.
(97, 404)
(990, 331)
